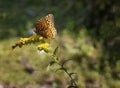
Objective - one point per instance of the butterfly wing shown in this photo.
(45, 27)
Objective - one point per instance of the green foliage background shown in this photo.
(88, 30)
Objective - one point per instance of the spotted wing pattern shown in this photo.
(45, 27)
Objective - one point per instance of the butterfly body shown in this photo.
(45, 27)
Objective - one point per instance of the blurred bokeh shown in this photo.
(88, 33)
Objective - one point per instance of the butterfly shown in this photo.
(45, 27)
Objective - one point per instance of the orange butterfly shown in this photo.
(45, 27)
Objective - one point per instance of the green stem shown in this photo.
(74, 83)
(56, 59)
(70, 77)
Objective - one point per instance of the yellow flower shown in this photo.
(44, 46)
(29, 40)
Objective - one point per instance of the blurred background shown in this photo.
(88, 33)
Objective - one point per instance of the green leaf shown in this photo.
(64, 69)
(50, 64)
(65, 61)
(56, 59)
(71, 73)
(72, 81)
(48, 67)
(55, 51)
